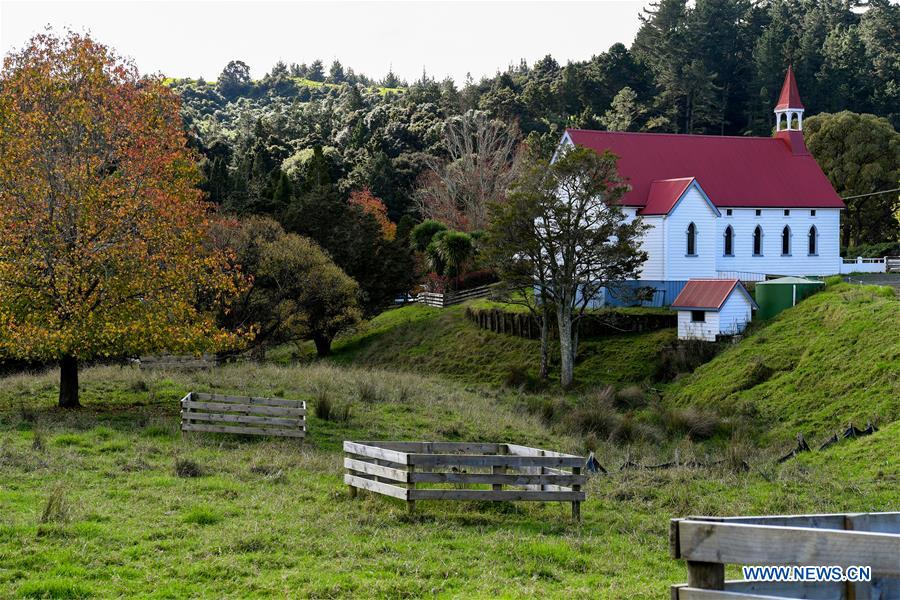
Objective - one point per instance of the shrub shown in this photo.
(327, 410)
(57, 508)
(833, 280)
(368, 391)
(872, 250)
(631, 397)
(187, 468)
(693, 422)
(597, 414)
(38, 443)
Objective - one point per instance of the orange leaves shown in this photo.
(373, 205)
(102, 230)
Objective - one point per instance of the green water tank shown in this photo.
(778, 294)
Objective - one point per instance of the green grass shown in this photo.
(92, 504)
(272, 517)
(422, 339)
(832, 359)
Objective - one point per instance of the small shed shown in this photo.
(708, 308)
(778, 294)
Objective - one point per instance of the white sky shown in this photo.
(198, 37)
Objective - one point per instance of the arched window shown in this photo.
(813, 241)
(786, 241)
(692, 240)
(729, 241)
(757, 241)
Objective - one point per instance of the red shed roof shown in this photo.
(708, 294)
(734, 171)
(790, 95)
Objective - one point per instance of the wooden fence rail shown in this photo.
(844, 540)
(243, 415)
(400, 469)
(445, 299)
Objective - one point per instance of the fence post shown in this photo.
(706, 575)
(576, 504)
(410, 504)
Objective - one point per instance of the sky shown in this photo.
(198, 37)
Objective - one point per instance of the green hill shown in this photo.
(421, 339)
(832, 359)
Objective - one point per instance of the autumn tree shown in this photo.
(561, 226)
(372, 205)
(102, 227)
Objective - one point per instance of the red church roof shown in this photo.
(708, 294)
(664, 194)
(733, 171)
(790, 95)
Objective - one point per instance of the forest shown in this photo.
(709, 67)
(297, 143)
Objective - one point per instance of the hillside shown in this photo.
(421, 339)
(832, 359)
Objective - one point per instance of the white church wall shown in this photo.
(773, 220)
(693, 208)
(653, 244)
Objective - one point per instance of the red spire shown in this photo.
(790, 96)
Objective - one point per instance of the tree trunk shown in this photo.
(566, 367)
(323, 344)
(68, 382)
(545, 346)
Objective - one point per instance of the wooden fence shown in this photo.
(892, 264)
(243, 415)
(604, 323)
(400, 469)
(446, 299)
(844, 540)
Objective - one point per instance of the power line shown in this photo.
(872, 194)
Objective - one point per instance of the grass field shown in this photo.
(93, 506)
(111, 500)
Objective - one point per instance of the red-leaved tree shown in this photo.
(103, 231)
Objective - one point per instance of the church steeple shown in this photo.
(789, 106)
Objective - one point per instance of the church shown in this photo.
(724, 206)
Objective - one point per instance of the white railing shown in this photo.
(864, 265)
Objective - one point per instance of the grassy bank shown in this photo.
(93, 507)
(831, 359)
(422, 339)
